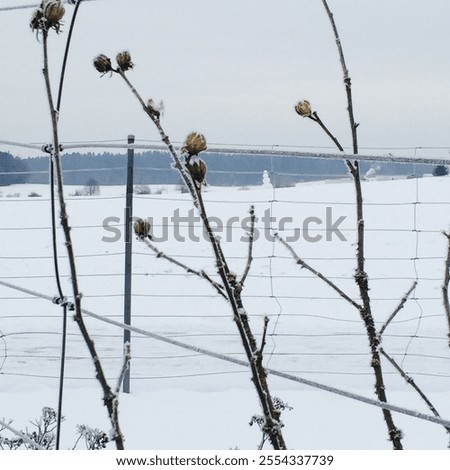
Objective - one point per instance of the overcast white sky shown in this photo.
(233, 69)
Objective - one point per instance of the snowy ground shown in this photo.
(182, 400)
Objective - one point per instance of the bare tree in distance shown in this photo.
(91, 188)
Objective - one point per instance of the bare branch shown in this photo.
(263, 340)
(362, 280)
(398, 308)
(125, 365)
(347, 80)
(159, 254)
(315, 117)
(231, 289)
(446, 284)
(411, 382)
(109, 397)
(318, 274)
(251, 236)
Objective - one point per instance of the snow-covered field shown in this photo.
(182, 400)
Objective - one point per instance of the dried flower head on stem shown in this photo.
(303, 108)
(48, 16)
(124, 61)
(194, 144)
(198, 170)
(102, 63)
(142, 228)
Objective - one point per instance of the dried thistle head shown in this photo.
(194, 144)
(48, 16)
(198, 170)
(142, 228)
(303, 108)
(103, 64)
(124, 61)
(53, 11)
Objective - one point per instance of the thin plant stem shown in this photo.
(251, 236)
(445, 285)
(55, 248)
(232, 288)
(109, 397)
(159, 254)
(316, 273)
(413, 384)
(66, 55)
(315, 117)
(125, 365)
(347, 80)
(362, 282)
(398, 308)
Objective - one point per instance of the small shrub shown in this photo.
(141, 189)
(440, 170)
(34, 194)
(13, 195)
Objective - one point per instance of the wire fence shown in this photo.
(313, 333)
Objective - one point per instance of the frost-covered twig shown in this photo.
(413, 384)
(264, 335)
(316, 273)
(364, 309)
(362, 281)
(125, 365)
(251, 237)
(192, 171)
(45, 18)
(347, 80)
(315, 117)
(303, 109)
(22, 436)
(361, 278)
(398, 308)
(159, 254)
(445, 285)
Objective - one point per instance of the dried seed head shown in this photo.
(53, 11)
(103, 64)
(194, 144)
(303, 108)
(198, 170)
(124, 61)
(48, 16)
(142, 228)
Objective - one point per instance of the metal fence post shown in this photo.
(128, 256)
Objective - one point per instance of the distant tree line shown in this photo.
(153, 167)
(13, 170)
